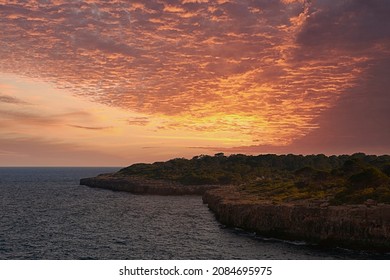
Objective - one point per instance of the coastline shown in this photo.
(361, 227)
(139, 185)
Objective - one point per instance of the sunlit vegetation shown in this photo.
(345, 179)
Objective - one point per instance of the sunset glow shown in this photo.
(117, 82)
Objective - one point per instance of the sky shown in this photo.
(111, 83)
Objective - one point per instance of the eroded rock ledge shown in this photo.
(352, 226)
(138, 185)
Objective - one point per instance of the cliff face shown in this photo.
(359, 227)
(138, 185)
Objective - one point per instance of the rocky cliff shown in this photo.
(139, 185)
(353, 226)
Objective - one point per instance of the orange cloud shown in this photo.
(262, 71)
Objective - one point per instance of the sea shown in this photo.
(46, 215)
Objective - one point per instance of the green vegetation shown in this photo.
(337, 179)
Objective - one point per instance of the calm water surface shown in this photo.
(45, 214)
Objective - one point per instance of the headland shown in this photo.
(332, 201)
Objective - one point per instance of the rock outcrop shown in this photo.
(351, 226)
(139, 185)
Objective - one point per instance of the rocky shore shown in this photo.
(138, 185)
(349, 226)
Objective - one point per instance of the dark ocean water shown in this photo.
(45, 214)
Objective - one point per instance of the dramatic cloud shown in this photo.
(264, 71)
(351, 26)
(360, 120)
